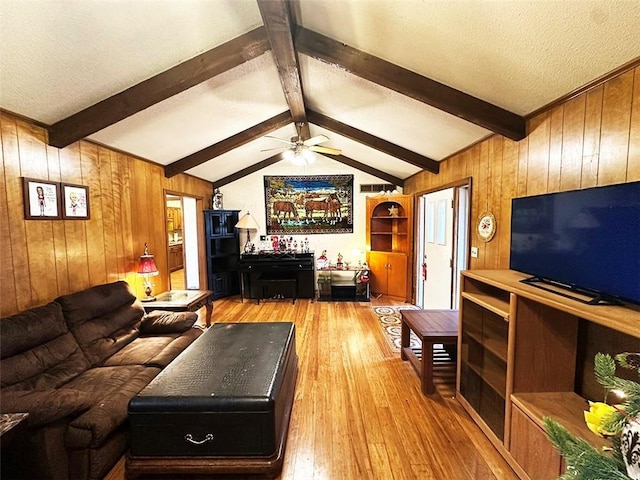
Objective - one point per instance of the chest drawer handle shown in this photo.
(189, 438)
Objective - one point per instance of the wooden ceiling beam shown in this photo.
(338, 158)
(276, 17)
(411, 84)
(227, 144)
(365, 168)
(372, 141)
(159, 87)
(249, 170)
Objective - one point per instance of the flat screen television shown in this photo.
(583, 240)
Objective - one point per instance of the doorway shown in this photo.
(442, 245)
(182, 242)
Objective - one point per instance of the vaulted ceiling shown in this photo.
(196, 85)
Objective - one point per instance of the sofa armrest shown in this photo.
(160, 322)
(45, 406)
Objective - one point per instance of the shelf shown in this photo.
(564, 407)
(343, 283)
(495, 346)
(390, 234)
(491, 303)
(490, 377)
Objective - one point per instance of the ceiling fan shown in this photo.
(298, 147)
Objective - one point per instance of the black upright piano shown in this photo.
(257, 266)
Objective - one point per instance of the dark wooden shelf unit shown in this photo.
(223, 252)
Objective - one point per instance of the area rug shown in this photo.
(391, 323)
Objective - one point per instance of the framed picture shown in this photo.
(307, 205)
(75, 202)
(41, 199)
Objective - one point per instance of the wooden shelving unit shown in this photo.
(390, 244)
(223, 252)
(519, 349)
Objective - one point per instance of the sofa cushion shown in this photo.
(45, 406)
(154, 350)
(103, 319)
(112, 387)
(159, 322)
(37, 350)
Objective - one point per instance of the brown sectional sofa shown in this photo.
(73, 365)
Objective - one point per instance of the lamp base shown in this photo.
(148, 299)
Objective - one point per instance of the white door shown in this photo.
(437, 250)
(190, 229)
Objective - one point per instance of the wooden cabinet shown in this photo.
(174, 219)
(389, 273)
(520, 354)
(176, 257)
(390, 244)
(223, 252)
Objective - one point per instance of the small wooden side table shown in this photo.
(430, 326)
(183, 301)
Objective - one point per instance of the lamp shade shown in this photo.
(247, 222)
(147, 265)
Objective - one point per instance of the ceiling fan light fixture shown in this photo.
(308, 156)
(289, 154)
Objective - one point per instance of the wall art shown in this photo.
(75, 202)
(309, 204)
(41, 199)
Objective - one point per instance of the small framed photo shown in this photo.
(41, 199)
(75, 202)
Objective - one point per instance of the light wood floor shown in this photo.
(358, 411)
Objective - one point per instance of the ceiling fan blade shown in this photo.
(270, 149)
(332, 151)
(279, 140)
(316, 140)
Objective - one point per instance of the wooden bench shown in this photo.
(431, 327)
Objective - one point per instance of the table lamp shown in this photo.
(247, 222)
(146, 270)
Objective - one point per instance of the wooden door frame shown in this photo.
(200, 206)
(456, 184)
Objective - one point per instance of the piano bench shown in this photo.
(272, 284)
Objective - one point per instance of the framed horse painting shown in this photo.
(308, 204)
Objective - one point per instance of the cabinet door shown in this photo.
(397, 275)
(229, 221)
(214, 224)
(378, 266)
(532, 450)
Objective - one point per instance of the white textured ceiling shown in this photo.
(58, 57)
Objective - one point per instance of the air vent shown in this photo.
(376, 187)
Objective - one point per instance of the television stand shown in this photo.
(579, 294)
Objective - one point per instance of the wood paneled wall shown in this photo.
(590, 140)
(41, 259)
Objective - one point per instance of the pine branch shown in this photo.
(584, 462)
(605, 369)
